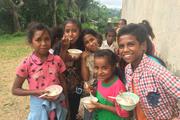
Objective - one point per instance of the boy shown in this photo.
(157, 88)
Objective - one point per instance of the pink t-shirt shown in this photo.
(113, 89)
(41, 74)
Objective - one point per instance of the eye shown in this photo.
(67, 30)
(105, 68)
(47, 39)
(121, 46)
(95, 67)
(38, 39)
(74, 30)
(131, 44)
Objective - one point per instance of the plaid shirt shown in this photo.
(158, 89)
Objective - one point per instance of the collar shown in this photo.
(136, 75)
(140, 67)
(142, 64)
(38, 61)
(105, 43)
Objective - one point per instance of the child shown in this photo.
(108, 85)
(41, 69)
(157, 87)
(91, 44)
(71, 39)
(151, 35)
(110, 42)
(90, 39)
(122, 23)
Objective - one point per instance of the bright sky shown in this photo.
(111, 3)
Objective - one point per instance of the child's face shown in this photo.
(130, 49)
(90, 42)
(103, 70)
(41, 42)
(121, 24)
(110, 37)
(71, 30)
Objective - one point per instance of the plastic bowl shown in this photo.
(87, 101)
(54, 90)
(74, 52)
(122, 100)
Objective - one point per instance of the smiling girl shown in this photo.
(108, 85)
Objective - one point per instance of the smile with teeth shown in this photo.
(127, 55)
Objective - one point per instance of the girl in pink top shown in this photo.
(108, 85)
(41, 69)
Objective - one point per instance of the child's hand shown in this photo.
(74, 58)
(87, 88)
(85, 54)
(40, 92)
(65, 42)
(94, 105)
(51, 98)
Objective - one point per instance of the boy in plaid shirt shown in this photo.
(158, 89)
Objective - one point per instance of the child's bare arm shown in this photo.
(105, 107)
(64, 85)
(84, 69)
(18, 90)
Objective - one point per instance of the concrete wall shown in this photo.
(164, 17)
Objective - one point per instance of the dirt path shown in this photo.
(11, 107)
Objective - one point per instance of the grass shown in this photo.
(13, 47)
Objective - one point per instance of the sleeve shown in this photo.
(61, 65)
(170, 83)
(119, 111)
(22, 69)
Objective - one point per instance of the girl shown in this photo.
(71, 39)
(157, 87)
(151, 36)
(90, 40)
(41, 69)
(110, 42)
(108, 85)
(122, 23)
(91, 44)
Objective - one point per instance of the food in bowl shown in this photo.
(54, 90)
(87, 102)
(74, 52)
(127, 100)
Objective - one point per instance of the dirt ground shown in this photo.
(11, 107)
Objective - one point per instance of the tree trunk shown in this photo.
(16, 22)
(54, 12)
(15, 15)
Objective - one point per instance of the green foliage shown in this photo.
(18, 34)
(85, 11)
(6, 25)
(89, 25)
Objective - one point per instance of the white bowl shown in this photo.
(74, 52)
(87, 101)
(54, 90)
(127, 100)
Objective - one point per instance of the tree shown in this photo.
(13, 8)
(54, 6)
